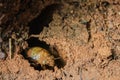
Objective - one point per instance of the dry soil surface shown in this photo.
(84, 33)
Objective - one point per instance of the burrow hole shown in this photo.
(36, 26)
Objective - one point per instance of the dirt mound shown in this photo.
(83, 34)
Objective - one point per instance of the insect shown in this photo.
(41, 56)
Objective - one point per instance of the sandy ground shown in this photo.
(85, 34)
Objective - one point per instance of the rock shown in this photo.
(2, 55)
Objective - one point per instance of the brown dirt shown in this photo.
(84, 33)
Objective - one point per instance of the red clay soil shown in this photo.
(84, 33)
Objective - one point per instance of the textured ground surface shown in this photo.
(85, 33)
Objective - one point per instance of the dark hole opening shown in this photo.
(36, 26)
(43, 20)
(60, 61)
(35, 42)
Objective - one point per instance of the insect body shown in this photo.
(41, 56)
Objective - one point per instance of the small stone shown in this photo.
(2, 55)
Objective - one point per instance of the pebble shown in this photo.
(2, 55)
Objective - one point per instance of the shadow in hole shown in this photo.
(59, 61)
(32, 42)
(45, 17)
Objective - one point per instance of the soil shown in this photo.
(84, 34)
